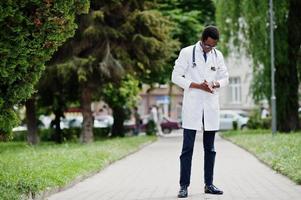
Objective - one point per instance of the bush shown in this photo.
(234, 125)
(266, 123)
(151, 128)
(71, 134)
(31, 31)
(255, 121)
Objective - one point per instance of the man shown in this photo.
(200, 71)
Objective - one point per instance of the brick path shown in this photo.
(153, 173)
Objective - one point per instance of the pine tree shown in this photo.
(115, 38)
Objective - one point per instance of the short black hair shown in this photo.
(210, 31)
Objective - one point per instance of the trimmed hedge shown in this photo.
(30, 32)
(71, 134)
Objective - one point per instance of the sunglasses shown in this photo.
(207, 46)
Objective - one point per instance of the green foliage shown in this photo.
(282, 152)
(187, 22)
(245, 23)
(151, 128)
(122, 98)
(56, 92)
(70, 134)
(31, 31)
(256, 122)
(235, 125)
(28, 169)
(120, 36)
(56, 89)
(188, 17)
(114, 39)
(124, 94)
(151, 45)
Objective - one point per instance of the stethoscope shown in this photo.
(193, 57)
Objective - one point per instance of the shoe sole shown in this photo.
(214, 193)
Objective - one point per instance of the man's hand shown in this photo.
(202, 86)
(206, 87)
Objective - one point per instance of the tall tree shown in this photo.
(114, 38)
(88, 57)
(30, 33)
(55, 92)
(250, 19)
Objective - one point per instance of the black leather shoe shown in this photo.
(183, 193)
(211, 189)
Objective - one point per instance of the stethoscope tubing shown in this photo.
(193, 56)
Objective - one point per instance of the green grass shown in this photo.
(282, 152)
(27, 170)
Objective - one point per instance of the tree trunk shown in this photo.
(287, 83)
(32, 126)
(119, 118)
(148, 94)
(57, 137)
(87, 128)
(170, 85)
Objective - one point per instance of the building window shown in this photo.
(234, 90)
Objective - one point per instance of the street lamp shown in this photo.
(273, 97)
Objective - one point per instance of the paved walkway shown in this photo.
(153, 174)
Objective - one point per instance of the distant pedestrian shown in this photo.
(155, 118)
(264, 112)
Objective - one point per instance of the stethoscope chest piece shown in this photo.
(193, 65)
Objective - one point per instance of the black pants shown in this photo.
(186, 156)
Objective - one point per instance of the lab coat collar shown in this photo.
(199, 48)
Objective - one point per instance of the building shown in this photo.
(167, 98)
(237, 94)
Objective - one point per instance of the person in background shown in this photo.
(155, 117)
(264, 112)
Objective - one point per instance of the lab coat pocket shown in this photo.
(190, 99)
(211, 73)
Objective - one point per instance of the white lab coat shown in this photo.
(198, 103)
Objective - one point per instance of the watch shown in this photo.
(215, 84)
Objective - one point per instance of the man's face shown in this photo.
(208, 44)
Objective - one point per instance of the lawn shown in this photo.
(282, 152)
(28, 170)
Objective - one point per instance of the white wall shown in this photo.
(239, 67)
